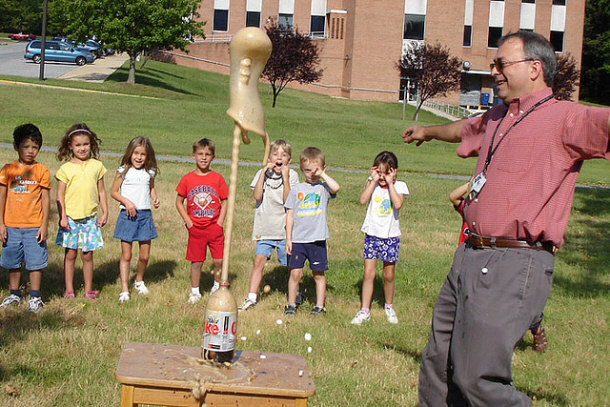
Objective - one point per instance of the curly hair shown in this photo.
(78, 129)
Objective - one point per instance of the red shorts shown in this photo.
(200, 238)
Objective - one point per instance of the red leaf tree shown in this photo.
(434, 69)
(294, 58)
(566, 78)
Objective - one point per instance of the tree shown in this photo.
(131, 26)
(434, 70)
(566, 78)
(595, 78)
(294, 58)
(21, 15)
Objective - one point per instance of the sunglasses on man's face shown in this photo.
(500, 65)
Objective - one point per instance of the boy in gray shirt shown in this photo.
(306, 228)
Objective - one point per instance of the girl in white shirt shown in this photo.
(384, 196)
(134, 188)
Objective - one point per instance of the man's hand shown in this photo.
(415, 133)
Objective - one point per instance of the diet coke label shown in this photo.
(219, 332)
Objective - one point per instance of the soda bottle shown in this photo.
(220, 325)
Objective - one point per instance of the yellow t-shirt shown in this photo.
(24, 185)
(82, 196)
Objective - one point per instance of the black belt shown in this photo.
(481, 242)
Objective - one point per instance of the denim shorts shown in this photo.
(315, 252)
(20, 241)
(384, 249)
(83, 234)
(139, 228)
(266, 247)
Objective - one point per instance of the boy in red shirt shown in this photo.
(205, 192)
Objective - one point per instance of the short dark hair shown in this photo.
(26, 131)
(535, 46)
(388, 158)
(203, 143)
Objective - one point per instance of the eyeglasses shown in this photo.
(500, 65)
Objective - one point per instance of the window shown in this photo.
(317, 26)
(253, 19)
(467, 35)
(414, 27)
(495, 33)
(221, 20)
(285, 21)
(529, 1)
(557, 40)
(559, 2)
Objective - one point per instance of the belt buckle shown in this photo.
(480, 242)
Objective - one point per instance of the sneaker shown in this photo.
(361, 317)
(214, 289)
(11, 299)
(392, 319)
(35, 304)
(194, 298)
(91, 295)
(124, 297)
(247, 304)
(290, 310)
(140, 287)
(317, 311)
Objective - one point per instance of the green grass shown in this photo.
(67, 354)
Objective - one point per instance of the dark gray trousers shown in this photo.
(490, 298)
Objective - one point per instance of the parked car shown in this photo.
(57, 51)
(22, 37)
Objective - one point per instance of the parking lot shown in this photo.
(13, 63)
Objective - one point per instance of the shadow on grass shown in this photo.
(149, 78)
(586, 247)
(551, 398)
(278, 280)
(378, 293)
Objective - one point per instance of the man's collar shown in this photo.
(522, 104)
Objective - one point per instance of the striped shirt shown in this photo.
(532, 173)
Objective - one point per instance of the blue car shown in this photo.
(57, 51)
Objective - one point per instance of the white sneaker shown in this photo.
(247, 304)
(392, 319)
(194, 298)
(361, 317)
(123, 297)
(11, 299)
(140, 287)
(35, 304)
(215, 288)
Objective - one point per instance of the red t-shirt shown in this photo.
(530, 181)
(203, 194)
(464, 232)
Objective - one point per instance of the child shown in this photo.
(134, 188)
(24, 215)
(271, 186)
(205, 192)
(457, 199)
(384, 196)
(306, 228)
(80, 190)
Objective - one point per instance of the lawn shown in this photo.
(67, 354)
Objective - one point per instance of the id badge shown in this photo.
(476, 185)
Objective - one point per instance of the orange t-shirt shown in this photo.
(24, 184)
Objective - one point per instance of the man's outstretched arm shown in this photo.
(450, 133)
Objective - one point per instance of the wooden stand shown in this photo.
(166, 375)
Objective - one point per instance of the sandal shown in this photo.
(540, 342)
(91, 295)
(68, 295)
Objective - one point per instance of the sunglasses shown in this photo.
(500, 65)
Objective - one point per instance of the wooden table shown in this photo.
(168, 374)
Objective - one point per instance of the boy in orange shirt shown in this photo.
(24, 215)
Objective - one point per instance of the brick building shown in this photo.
(362, 40)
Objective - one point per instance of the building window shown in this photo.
(253, 19)
(467, 35)
(285, 21)
(557, 40)
(414, 27)
(559, 2)
(529, 1)
(221, 20)
(495, 33)
(317, 26)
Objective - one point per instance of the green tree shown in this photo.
(21, 15)
(566, 78)
(131, 26)
(595, 78)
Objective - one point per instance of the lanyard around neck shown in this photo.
(492, 149)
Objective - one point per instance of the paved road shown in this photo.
(13, 63)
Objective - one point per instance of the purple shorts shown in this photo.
(384, 249)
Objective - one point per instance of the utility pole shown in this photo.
(43, 42)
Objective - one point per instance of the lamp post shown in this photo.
(42, 43)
